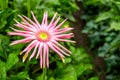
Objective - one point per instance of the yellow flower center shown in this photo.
(43, 36)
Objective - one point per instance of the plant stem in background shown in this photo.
(2, 2)
(7, 3)
(27, 66)
(14, 4)
(28, 8)
(44, 73)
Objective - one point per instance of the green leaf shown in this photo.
(66, 73)
(40, 77)
(103, 16)
(70, 17)
(2, 71)
(11, 61)
(94, 78)
(20, 76)
(23, 75)
(52, 2)
(78, 54)
(82, 67)
(17, 47)
(6, 18)
(51, 78)
(115, 25)
(116, 2)
(4, 42)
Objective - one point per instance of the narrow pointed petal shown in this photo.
(20, 34)
(28, 48)
(25, 32)
(53, 18)
(31, 45)
(54, 24)
(61, 50)
(24, 57)
(60, 24)
(64, 35)
(39, 50)
(47, 56)
(41, 56)
(29, 25)
(25, 22)
(39, 26)
(23, 19)
(43, 21)
(63, 60)
(25, 27)
(30, 21)
(33, 54)
(64, 40)
(62, 47)
(46, 21)
(16, 21)
(54, 49)
(44, 55)
(21, 41)
(60, 31)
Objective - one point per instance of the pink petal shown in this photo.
(63, 30)
(54, 24)
(53, 19)
(43, 21)
(46, 21)
(26, 22)
(41, 56)
(21, 31)
(25, 27)
(22, 18)
(33, 54)
(47, 56)
(39, 50)
(26, 54)
(44, 55)
(64, 40)
(20, 34)
(29, 25)
(64, 35)
(21, 41)
(36, 20)
(31, 22)
(62, 46)
(30, 46)
(60, 24)
(61, 50)
(16, 21)
(54, 49)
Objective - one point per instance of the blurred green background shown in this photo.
(96, 54)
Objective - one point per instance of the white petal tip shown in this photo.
(11, 44)
(63, 60)
(24, 57)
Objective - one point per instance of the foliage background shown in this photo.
(102, 25)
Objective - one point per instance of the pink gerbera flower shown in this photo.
(42, 37)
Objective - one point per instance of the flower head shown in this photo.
(42, 37)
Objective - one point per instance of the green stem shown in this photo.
(27, 66)
(7, 3)
(28, 8)
(14, 4)
(2, 4)
(44, 73)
